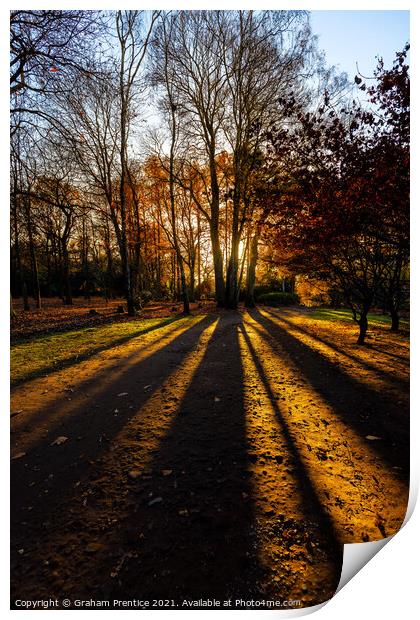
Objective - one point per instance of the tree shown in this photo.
(133, 46)
(97, 124)
(49, 50)
(262, 60)
(341, 206)
(16, 185)
(61, 195)
(194, 58)
(164, 74)
(391, 130)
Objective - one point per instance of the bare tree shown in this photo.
(195, 63)
(265, 53)
(97, 124)
(49, 51)
(133, 40)
(164, 73)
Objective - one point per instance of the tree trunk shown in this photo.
(158, 265)
(178, 256)
(218, 266)
(48, 257)
(250, 279)
(395, 320)
(192, 280)
(184, 288)
(23, 289)
(198, 256)
(136, 286)
(59, 269)
(124, 244)
(232, 271)
(123, 202)
(363, 325)
(37, 290)
(245, 260)
(85, 260)
(12, 310)
(179, 259)
(25, 296)
(35, 275)
(127, 278)
(109, 263)
(68, 299)
(232, 275)
(214, 228)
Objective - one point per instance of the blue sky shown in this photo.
(358, 36)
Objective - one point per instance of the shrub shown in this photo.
(279, 299)
(142, 299)
(273, 286)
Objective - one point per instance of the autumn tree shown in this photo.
(339, 211)
(390, 145)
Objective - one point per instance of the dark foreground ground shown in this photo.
(227, 455)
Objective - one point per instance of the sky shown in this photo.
(358, 36)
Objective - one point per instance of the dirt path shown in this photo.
(219, 456)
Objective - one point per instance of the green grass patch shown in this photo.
(327, 314)
(49, 352)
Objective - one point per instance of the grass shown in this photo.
(327, 314)
(48, 352)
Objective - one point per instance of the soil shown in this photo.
(228, 455)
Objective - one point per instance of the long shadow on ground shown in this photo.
(43, 481)
(74, 360)
(382, 374)
(191, 533)
(318, 520)
(358, 406)
(187, 528)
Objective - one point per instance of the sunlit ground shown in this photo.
(219, 455)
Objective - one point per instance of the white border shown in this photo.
(387, 585)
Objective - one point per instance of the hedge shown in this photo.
(279, 299)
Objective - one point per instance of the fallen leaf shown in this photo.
(134, 473)
(118, 567)
(59, 440)
(166, 472)
(18, 455)
(380, 524)
(93, 547)
(373, 437)
(155, 501)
